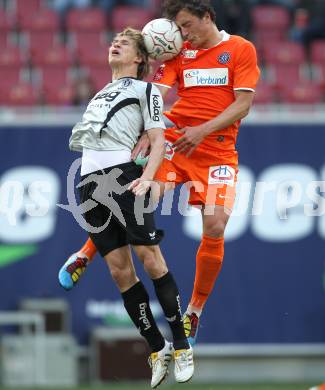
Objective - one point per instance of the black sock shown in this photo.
(168, 296)
(136, 303)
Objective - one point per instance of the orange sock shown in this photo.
(208, 265)
(89, 250)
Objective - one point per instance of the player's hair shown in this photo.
(137, 37)
(196, 7)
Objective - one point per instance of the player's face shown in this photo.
(193, 28)
(122, 51)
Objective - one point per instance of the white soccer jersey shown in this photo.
(117, 115)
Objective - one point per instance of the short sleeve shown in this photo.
(151, 104)
(246, 71)
(166, 75)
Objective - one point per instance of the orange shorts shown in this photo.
(209, 175)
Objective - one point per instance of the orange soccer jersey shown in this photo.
(207, 79)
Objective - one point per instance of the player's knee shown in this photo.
(122, 276)
(152, 263)
(215, 228)
(148, 257)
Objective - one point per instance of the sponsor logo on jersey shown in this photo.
(222, 174)
(108, 96)
(169, 153)
(156, 108)
(205, 77)
(159, 74)
(224, 58)
(190, 53)
(125, 84)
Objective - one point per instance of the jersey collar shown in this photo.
(125, 77)
(225, 37)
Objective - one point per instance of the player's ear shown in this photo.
(138, 59)
(207, 17)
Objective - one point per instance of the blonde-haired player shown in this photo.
(110, 127)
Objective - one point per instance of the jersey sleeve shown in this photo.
(151, 104)
(166, 74)
(246, 71)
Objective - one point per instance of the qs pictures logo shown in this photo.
(28, 196)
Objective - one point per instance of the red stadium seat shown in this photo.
(44, 20)
(6, 22)
(53, 56)
(284, 53)
(83, 41)
(25, 9)
(61, 96)
(264, 93)
(270, 17)
(11, 65)
(155, 6)
(129, 16)
(93, 56)
(100, 76)
(41, 42)
(317, 52)
(301, 94)
(88, 19)
(6, 26)
(9, 76)
(22, 94)
(11, 57)
(319, 75)
(263, 38)
(54, 76)
(285, 75)
(4, 39)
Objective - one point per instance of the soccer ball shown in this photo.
(163, 39)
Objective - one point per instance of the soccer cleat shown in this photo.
(159, 361)
(184, 364)
(191, 326)
(71, 270)
(319, 387)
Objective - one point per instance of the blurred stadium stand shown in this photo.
(40, 47)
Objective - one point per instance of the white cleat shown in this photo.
(184, 364)
(159, 361)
